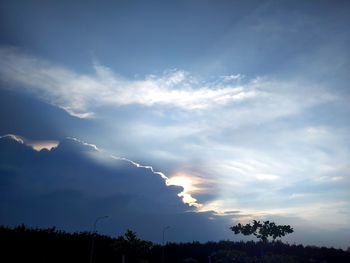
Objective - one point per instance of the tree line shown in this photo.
(24, 244)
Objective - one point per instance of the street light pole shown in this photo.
(163, 240)
(93, 236)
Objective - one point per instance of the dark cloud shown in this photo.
(73, 184)
(32, 118)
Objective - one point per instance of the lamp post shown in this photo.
(163, 240)
(93, 236)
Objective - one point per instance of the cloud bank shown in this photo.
(68, 187)
(185, 183)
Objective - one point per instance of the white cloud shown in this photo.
(79, 94)
(14, 137)
(233, 77)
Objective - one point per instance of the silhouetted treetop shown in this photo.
(262, 230)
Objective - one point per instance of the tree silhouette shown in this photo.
(262, 230)
(131, 247)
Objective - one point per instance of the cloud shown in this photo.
(79, 94)
(67, 188)
(82, 94)
(183, 181)
(253, 145)
(36, 145)
(16, 138)
(234, 77)
(190, 185)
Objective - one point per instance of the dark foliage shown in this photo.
(22, 244)
(262, 230)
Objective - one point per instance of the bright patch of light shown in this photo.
(189, 185)
(36, 145)
(40, 145)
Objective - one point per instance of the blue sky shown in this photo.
(243, 104)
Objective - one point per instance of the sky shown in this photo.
(191, 114)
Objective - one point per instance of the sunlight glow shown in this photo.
(189, 185)
(40, 145)
(36, 145)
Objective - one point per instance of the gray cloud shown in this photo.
(67, 187)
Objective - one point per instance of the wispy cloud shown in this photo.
(79, 94)
(82, 94)
(14, 137)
